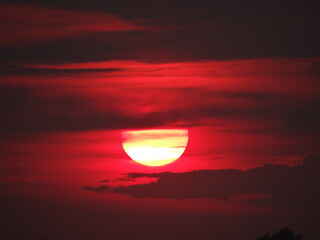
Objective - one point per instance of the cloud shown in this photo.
(42, 109)
(279, 185)
(196, 31)
(278, 97)
(26, 23)
(100, 189)
(297, 75)
(24, 109)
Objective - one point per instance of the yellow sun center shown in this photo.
(155, 147)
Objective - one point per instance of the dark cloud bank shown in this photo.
(24, 110)
(191, 30)
(281, 184)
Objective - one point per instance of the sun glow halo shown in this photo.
(155, 147)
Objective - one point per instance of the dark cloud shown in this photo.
(100, 189)
(27, 109)
(212, 41)
(105, 181)
(279, 185)
(189, 9)
(9, 71)
(190, 31)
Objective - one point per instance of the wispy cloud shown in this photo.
(263, 96)
(25, 23)
(296, 75)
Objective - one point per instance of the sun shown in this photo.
(155, 147)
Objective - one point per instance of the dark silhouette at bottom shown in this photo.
(282, 234)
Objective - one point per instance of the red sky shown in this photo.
(243, 78)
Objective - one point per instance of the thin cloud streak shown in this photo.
(294, 76)
(27, 23)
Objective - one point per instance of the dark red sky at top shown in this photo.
(242, 77)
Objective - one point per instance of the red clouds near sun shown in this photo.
(131, 94)
(238, 75)
(236, 109)
(81, 79)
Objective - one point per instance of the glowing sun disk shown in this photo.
(155, 147)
